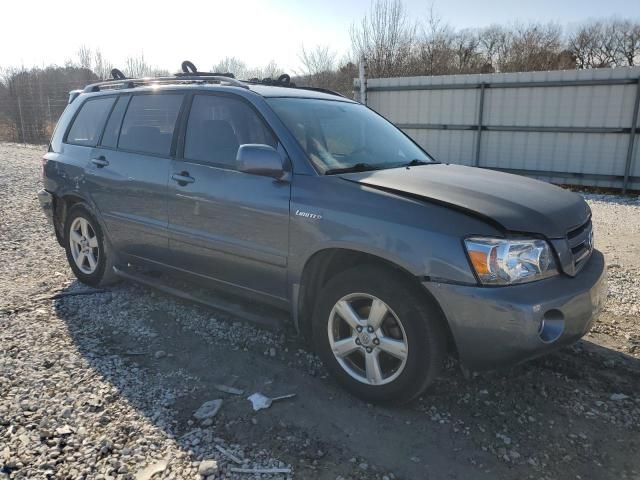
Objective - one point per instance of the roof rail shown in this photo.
(284, 80)
(323, 90)
(139, 82)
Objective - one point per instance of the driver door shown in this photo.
(227, 225)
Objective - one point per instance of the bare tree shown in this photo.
(629, 42)
(534, 47)
(137, 67)
(231, 65)
(318, 60)
(385, 37)
(466, 49)
(494, 47)
(606, 43)
(84, 57)
(434, 52)
(101, 66)
(318, 66)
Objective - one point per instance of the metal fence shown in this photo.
(572, 127)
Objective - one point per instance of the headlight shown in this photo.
(502, 261)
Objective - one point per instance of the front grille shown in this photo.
(581, 244)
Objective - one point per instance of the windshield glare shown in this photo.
(338, 135)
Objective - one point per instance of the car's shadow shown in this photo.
(172, 356)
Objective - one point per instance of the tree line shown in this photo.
(395, 45)
(391, 42)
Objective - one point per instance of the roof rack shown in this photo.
(284, 80)
(190, 74)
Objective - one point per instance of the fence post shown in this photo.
(632, 139)
(362, 73)
(476, 162)
(24, 139)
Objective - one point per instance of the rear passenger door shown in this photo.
(225, 224)
(129, 170)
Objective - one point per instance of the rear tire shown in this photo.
(394, 344)
(89, 252)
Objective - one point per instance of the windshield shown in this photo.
(341, 136)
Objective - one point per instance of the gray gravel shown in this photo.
(105, 385)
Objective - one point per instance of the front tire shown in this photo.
(88, 251)
(381, 337)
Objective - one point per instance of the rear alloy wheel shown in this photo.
(379, 334)
(83, 243)
(88, 251)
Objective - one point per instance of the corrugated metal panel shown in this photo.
(578, 158)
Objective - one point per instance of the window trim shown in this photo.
(65, 139)
(171, 154)
(185, 121)
(127, 98)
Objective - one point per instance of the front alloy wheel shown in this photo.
(379, 333)
(367, 339)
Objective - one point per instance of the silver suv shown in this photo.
(386, 259)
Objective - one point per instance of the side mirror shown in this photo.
(261, 160)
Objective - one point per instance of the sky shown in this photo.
(38, 33)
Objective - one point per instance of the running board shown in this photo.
(269, 319)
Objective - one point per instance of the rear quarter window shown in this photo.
(149, 123)
(89, 122)
(112, 130)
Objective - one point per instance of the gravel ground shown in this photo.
(105, 385)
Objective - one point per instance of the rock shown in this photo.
(616, 397)
(272, 352)
(64, 430)
(160, 354)
(208, 409)
(208, 467)
(149, 471)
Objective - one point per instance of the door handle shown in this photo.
(100, 161)
(182, 178)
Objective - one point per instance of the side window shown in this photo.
(149, 123)
(89, 122)
(217, 127)
(111, 131)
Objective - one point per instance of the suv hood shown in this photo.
(516, 203)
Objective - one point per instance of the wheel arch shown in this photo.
(324, 264)
(63, 203)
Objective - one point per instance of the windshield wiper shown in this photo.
(415, 162)
(358, 167)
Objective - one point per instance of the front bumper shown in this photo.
(499, 326)
(46, 202)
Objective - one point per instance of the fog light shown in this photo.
(551, 326)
